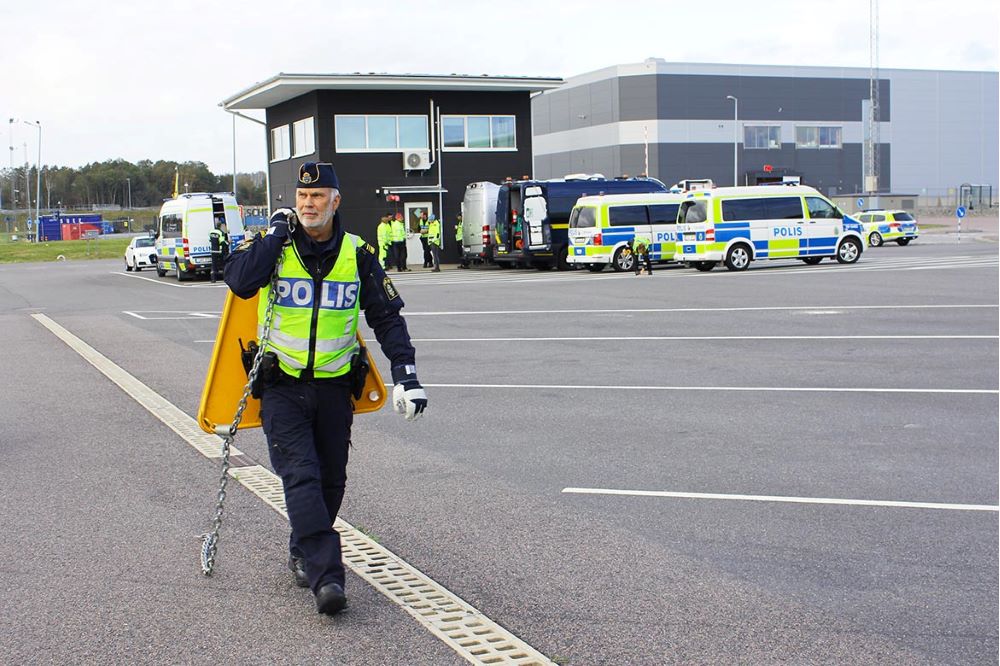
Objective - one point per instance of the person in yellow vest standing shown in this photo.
(460, 242)
(384, 239)
(434, 242)
(326, 277)
(399, 242)
(424, 224)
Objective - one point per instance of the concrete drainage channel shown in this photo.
(459, 625)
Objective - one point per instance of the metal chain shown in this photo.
(210, 540)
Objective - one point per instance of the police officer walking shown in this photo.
(434, 243)
(326, 278)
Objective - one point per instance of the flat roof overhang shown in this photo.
(283, 87)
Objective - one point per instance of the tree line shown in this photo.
(109, 183)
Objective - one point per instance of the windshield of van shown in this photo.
(582, 217)
(692, 212)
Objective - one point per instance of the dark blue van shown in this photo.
(532, 216)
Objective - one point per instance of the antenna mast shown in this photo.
(872, 161)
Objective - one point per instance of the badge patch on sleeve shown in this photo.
(390, 289)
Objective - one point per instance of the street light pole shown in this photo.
(736, 138)
(38, 171)
(267, 169)
(10, 133)
(129, 182)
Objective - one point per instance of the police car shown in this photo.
(183, 227)
(888, 225)
(738, 225)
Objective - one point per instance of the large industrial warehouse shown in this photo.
(937, 130)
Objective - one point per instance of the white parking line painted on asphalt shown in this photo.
(715, 337)
(775, 308)
(159, 315)
(218, 285)
(748, 389)
(455, 622)
(778, 498)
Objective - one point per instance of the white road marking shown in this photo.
(160, 315)
(714, 337)
(777, 308)
(159, 281)
(749, 389)
(778, 498)
(455, 622)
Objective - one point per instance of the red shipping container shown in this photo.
(71, 232)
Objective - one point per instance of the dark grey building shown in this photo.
(937, 130)
(416, 138)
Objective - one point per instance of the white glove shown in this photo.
(408, 396)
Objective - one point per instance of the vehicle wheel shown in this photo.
(849, 251)
(703, 266)
(812, 261)
(127, 267)
(561, 263)
(160, 271)
(595, 268)
(623, 260)
(504, 264)
(181, 274)
(875, 239)
(738, 257)
(903, 241)
(138, 268)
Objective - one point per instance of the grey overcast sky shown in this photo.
(143, 79)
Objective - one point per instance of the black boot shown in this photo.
(330, 599)
(297, 565)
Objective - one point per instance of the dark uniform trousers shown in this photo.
(308, 428)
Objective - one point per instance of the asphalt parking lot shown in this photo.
(794, 464)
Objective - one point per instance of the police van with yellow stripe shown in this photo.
(601, 227)
(183, 227)
(737, 225)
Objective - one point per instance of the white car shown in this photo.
(141, 252)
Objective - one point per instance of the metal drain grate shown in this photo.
(459, 625)
(263, 483)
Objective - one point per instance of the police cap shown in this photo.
(317, 174)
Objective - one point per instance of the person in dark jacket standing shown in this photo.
(326, 278)
(218, 243)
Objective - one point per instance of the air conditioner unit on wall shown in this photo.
(416, 160)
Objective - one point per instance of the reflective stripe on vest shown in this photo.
(336, 312)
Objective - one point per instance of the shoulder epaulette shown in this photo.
(245, 244)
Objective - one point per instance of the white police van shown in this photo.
(600, 228)
(182, 230)
(479, 212)
(737, 225)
